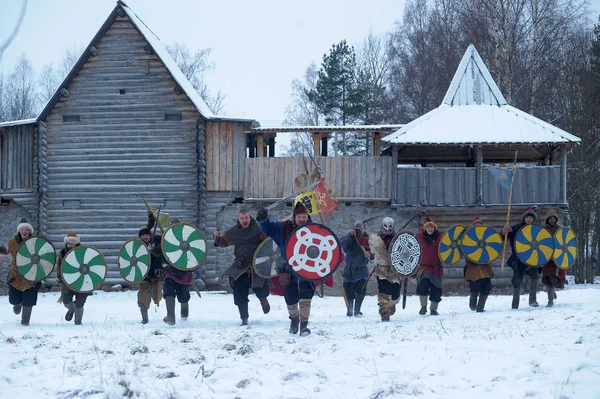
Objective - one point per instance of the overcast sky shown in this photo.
(258, 47)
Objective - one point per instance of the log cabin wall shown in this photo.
(18, 168)
(121, 131)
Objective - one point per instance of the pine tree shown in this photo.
(336, 94)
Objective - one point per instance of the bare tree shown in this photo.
(194, 66)
(68, 60)
(13, 34)
(302, 112)
(48, 83)
(20, 97)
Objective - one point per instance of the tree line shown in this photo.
(543, 54)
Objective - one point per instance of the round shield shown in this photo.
(481, 244)
(84, 269)
(565, 248)
(313, 251)
(450, 251)
(35, 259)
(267, 259)
(534, 245)
(404, 253)
(134, 260)
(184, 246)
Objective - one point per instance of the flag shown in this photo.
(504, 176)
(326, 202)
(308, 200)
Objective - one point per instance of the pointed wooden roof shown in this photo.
(474, 111)
(159, 49)
(472, 83)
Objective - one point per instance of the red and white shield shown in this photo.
(313, 251)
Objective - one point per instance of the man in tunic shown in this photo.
(246, 237)
(389, 282)
(479, 277)
(355, 274)
(430, 273)
(552, 276)
(22, 294)
(71, 240)
(520, 269)
(298, 292)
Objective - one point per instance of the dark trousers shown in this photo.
(481, 286)
(25, 298)
(387, 287)
(425, 287)
(173, 288)
(296, 291)
(519, 273)
(355, 289)
(67, 297)
(241, 289)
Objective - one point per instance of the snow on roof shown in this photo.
(474, 111)
(478, 124)
(162, 53)
(349, 128)
(19, 122)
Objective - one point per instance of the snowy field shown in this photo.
(533, 353)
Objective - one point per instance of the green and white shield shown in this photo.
(184, 246)
(84, 269)
(134, 260)
(35, 259)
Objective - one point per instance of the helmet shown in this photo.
(387, 225)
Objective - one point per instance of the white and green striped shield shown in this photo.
(134, 260)
(84, 269)
(184, 246)
(35, 259)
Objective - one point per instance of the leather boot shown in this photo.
(357, 304)
(185, 310)
(78, 315)
(144, 312)
(295, 321)
(243, 309)
(533, 294)
(304, 330)
(70, 311)
(473, 301)
(481, 303)
(264, 303)
(516, 297)
(350, 309)
(423, 299)
(170, 317)
(17, 309)
(433, 309)
(383, 301)
(550, 297)
(26, 315)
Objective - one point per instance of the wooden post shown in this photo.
(479, 174)
(316, 143)
(393, 193)
(505, 238)
(260, 145)
(377, 144)
(367, 144)
(323, 143)
(563, 174)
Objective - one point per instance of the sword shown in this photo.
(281, 201)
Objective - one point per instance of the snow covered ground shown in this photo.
(538, 353)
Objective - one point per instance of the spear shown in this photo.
(512, 180)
